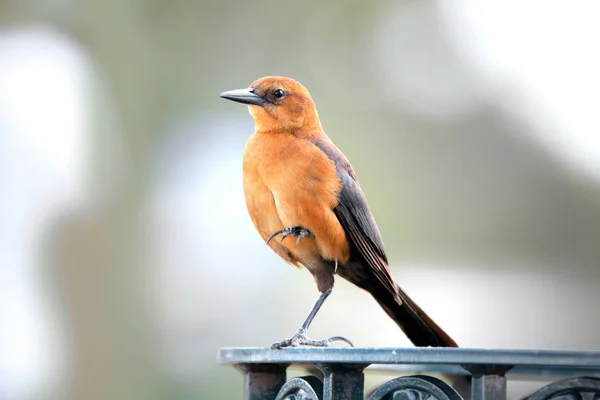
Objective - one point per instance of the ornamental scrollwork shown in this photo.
(302, 388)
(568, 389)
(416, 387)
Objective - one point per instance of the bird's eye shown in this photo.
(278, 93)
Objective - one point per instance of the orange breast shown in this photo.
(290, 182)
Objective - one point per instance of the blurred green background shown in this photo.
(126, 253)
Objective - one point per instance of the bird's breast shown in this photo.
(289, 182)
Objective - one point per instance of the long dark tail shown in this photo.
(418, 327)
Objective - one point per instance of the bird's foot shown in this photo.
(296, 231)
(300, 339)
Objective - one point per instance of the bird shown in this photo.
(305, 201)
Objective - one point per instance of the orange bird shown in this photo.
(297, 184)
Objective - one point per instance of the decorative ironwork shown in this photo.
(302, 388)
(417, 387)
(568, 389)
(475, 374)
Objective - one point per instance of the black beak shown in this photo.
(245, 96)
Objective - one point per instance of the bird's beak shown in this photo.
(245, 96)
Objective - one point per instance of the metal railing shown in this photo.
(479, 374)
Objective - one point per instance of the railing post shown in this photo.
(343, 381)
(262, 381)
(488, 382)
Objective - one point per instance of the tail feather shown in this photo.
(418, 327)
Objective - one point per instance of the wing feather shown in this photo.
(355, 217)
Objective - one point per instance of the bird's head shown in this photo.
(278, 104)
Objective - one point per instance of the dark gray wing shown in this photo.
(357, 221)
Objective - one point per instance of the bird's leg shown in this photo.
(300, 338)
(297, 231)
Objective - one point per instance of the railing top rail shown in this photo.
(426, 356)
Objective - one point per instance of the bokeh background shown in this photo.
(126, 254)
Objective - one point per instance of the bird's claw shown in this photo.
(300, 339)
(297, 231)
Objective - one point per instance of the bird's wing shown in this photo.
(355, 217)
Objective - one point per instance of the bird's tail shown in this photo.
(418, 327)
